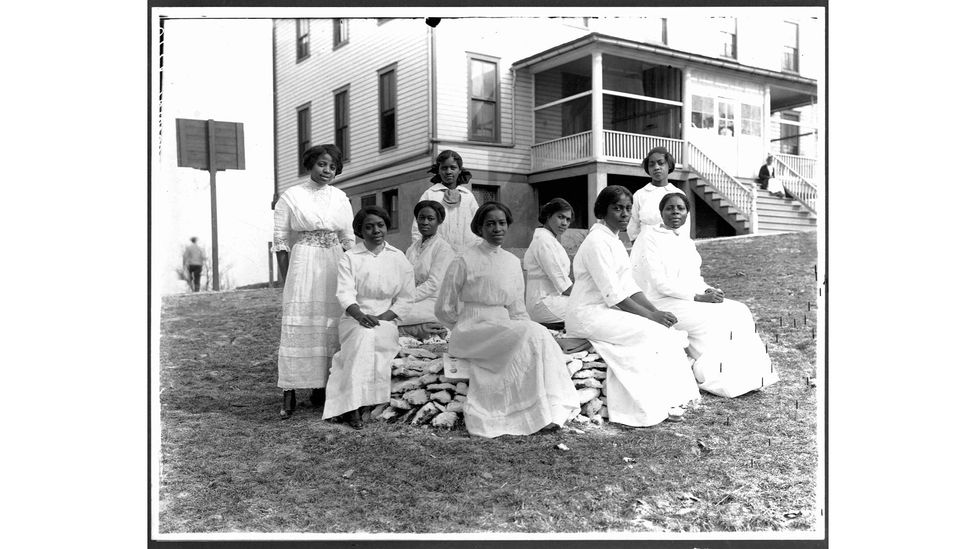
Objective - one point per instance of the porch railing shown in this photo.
(804, 166)
(633, 147)
(799, 187)
(562, 151)
(741, 197)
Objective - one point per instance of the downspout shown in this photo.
(431, 91)
(514, 86)
(274, 109)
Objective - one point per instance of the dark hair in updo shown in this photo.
(463, 175)
(667, 158)
(357, 222)
(312, 154)
(479, 216)
(436, 206)
(552, 207)
(609, 195)
(660, 206)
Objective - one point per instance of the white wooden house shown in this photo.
(518, 99)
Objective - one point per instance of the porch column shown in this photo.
(596, 121)
(685, 115)
(768, 118)
(595, 182)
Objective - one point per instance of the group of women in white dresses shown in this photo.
(344, 304)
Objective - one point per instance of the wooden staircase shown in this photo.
(717, 202)
(783, 214)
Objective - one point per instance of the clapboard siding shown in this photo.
(356, 65)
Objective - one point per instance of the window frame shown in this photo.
(307, 109)
(303, 42)
(726, 119)
(795, 47)
(478, 189)
(794, 132)
(747, 122)
(392, 71)
(710, 112)
(734, 34)
(370, 198)
(340, 32)
(480, 58)
(390, 198)
(341, 142)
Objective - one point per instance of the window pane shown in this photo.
(386, 91)
(387, 130)
(482, 120)
(482, 79)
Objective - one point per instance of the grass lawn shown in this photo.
(228, 464)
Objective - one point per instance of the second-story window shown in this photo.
(341, 122)
(751, 120)
(657, 30)
(301, 39)
(728, 38)
(387, 108)
(340, 32)
(483, 91)
(791, 46)
(304, 134)
(702, 112)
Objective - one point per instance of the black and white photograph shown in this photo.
(496, 273)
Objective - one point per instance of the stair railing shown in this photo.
(741, 197)
(801, 189)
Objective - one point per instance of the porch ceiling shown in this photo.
(788, 90)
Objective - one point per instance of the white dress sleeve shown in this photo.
(634, 225)
(346, 236)
(405, 295)
(550, 264)
(447, 307)
(440, 257)
(600, 263)
(516, 308)
(282, 226)
(346, 286)
(665, 280)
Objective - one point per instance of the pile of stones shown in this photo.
(422, 392)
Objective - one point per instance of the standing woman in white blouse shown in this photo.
(312, 227)
(658, 164)
(730, 357)
(450, 189)
(375, 287)
(518, 381)
(547, 267)
(648, 378)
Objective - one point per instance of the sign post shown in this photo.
(212, 146)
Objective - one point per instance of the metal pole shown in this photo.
(211, 158)
(270, 267)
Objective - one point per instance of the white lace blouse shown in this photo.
(310, 207)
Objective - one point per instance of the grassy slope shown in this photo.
(229, 465)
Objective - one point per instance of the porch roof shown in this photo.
(568, 51)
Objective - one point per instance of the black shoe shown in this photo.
(318, 396)
(354, 419)
(287, 404)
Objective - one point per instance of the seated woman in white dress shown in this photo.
(730, 358)
(648, 377)
(375, 286)
(546, 262)
(430, 257)
(518, 381)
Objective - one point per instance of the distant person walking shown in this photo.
(193, 259)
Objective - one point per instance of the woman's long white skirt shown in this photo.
(518, 382)
(647, 369)
(360, 373)
(310, 317)
(730, 358)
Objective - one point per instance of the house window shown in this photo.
(726, 118)
(702, 112)
(791, 46)
(341, 121)
(367, 200)
(304, 134)
(301, 39)
(751, 123)
(789, 134)
(483, 91)
(391, 203)
(387, 108)
(340, 32)
(485, 193)
(727, 37)
(658, 30)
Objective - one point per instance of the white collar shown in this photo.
(442, 187)
(361, 248)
